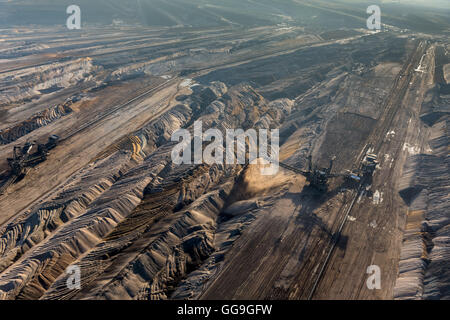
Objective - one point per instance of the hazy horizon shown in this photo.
(210, 13)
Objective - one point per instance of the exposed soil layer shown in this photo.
(110, 200)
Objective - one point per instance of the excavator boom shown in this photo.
(23, 158)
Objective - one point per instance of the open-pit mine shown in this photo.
(359, 207)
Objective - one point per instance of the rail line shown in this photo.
(86, 126)
(392, 104)
(117, 108)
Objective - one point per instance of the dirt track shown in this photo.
(372, 236)
(78, 150)
(108, 198)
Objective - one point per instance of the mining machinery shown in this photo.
(365, 172)
(369, 165)
(26, 157)
(317, 177)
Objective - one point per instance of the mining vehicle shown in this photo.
(365, 172)
(26, 157)
(369, 165)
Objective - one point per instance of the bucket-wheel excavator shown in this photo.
(318, 177)
(25, 157)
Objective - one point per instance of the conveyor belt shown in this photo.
(296, 170)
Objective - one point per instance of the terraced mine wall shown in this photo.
(423, 266)
(309, 66)
(139, 227)
(20, 85)
(39, 120)
(155, 134)
(143, 224)
(423, 270)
